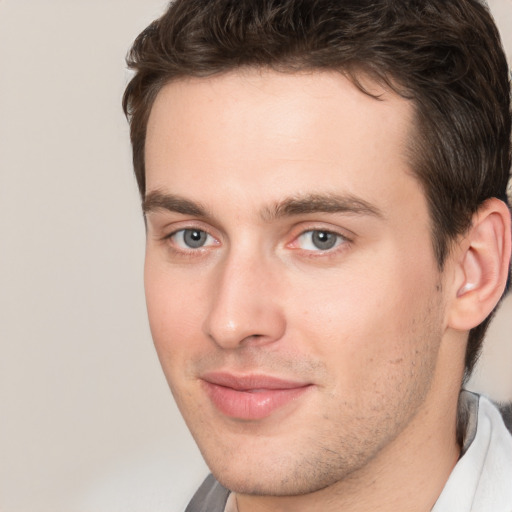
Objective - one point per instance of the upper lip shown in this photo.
(248, 382)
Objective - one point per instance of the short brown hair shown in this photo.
(446, 56)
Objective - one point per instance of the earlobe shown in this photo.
(483, 266)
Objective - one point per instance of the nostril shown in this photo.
(254, 339)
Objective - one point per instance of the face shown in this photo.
(293, 295)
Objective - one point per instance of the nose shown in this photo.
(244, 307)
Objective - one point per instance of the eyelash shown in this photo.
(340, 240)
(339, 244)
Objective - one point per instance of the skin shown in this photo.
(258, 161)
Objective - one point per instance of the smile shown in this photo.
(251, 397)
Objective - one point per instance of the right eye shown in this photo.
(189, 238)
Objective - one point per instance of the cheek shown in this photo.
(174, 310)
(370, 325)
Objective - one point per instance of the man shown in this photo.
(324, 188)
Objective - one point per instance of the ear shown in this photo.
(481, 266)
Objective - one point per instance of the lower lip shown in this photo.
(251, 405)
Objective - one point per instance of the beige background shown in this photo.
(87, 423)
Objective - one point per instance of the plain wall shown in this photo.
(87, 423)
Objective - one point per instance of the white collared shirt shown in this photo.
(482, 479)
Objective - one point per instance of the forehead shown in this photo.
(297, 133)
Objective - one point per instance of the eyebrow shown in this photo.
(321, 203)
(289, 207)
(157, 200)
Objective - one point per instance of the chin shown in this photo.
(265, 475)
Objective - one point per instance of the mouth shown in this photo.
(251, 397)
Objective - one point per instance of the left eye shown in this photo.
(192, 238)
(318, 240)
